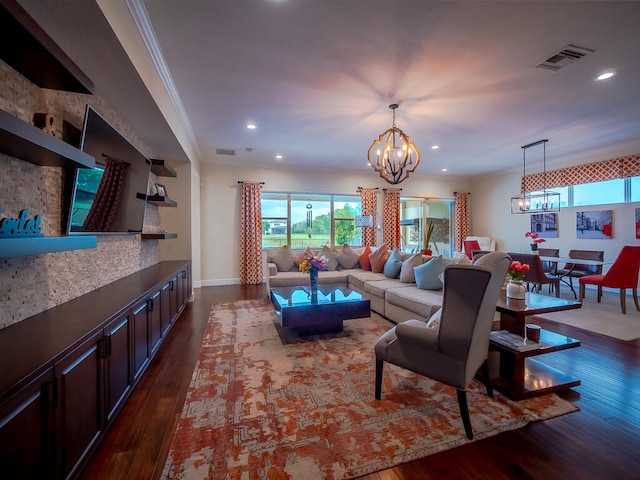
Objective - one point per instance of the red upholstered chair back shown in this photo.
(469, 246)
(624, 270)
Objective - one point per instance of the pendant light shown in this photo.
(541, 201)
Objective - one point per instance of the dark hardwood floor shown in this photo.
(602, 441)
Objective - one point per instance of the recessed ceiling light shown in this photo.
(279, 157)
(605, 75)
(251, 126)
(443, 170)
(435, 147)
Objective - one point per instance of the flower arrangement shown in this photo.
(534, 238)
(517, 270)
(314, 264)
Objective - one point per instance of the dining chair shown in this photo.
(454, 352)
(623, 274)
(536, 276)
(470, 245)
(575, 270)
(549, 267)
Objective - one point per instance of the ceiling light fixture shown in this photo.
(393, 155)
(251, 126)
(535, 202)
(605, 75)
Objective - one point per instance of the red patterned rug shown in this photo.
(265, 403)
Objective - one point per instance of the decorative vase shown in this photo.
(313, 280)
(534, 248)
(516, 290)
(426, 251)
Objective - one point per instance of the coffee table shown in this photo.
(520, 375)
(323, 312)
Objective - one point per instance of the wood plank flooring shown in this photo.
(602, 441)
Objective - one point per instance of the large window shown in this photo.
(313, 220)
(597, 193)
(415, 214)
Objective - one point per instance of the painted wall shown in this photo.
(220, 204)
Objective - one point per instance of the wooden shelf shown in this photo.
(157, 200)
(26, 142)
(162, 169)
(158, 236)
(20, 247)
(26, 47)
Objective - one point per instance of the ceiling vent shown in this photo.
(224, 151)
(564, 57)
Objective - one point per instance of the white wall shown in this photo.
(220, 204)
(491, 216)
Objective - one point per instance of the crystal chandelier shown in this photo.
(393, 155)
(535, 202)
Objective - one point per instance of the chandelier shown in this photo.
(540, 201)
(393, 155)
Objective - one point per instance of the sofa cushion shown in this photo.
(284, 259)
(379, 258)
(359, 277)
(378, 288)
(406, 271)
(393, 264)
(308, 253)
(330, 255)
(428, 274)
(420, 302)
(347, 257)
(364, 258)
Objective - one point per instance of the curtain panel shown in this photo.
(369, 207)
(622, 167)
(251, 235)
(462, 218)
(107, 200)
(391, 218)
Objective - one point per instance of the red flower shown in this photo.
(517, 270)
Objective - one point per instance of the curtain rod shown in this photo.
(468, 193)
(392, 189)
(241, 181)
(360, 188)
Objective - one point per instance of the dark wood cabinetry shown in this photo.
(67, 385)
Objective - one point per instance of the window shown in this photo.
(313, 220)
(597, 193)
(415, 213)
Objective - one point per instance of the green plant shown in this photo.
(427, 234)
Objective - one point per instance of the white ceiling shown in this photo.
(317, 78)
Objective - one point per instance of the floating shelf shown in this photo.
(26, 142)
(158, 236)
(157, 200)
(162, 169)
(20, 247)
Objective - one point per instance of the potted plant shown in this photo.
(427, 239)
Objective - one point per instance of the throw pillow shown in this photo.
(434, 320)
(308, 253)
(284, 259)
(428, 274)
(330, 255)
(393, 264)
(364, 258)
(347, 257)
(406, 271)
(379, 258)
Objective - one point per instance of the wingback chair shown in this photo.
(536, 275)
(623, 274)
(452, 353)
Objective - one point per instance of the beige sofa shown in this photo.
(397, 301)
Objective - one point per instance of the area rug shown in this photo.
(265, 403)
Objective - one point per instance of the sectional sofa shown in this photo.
(396, 297)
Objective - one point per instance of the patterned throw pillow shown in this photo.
(284, 259)
(364, 258)
(379, 258)
(393, 264)
(308, 253)
(428, 274)
(406, 271)
(347, 257)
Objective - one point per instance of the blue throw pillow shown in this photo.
(428, 274)
(393, 264)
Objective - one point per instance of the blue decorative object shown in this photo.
(20, 227)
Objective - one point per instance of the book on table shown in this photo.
(513, 341)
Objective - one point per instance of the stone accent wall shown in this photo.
(30, 285)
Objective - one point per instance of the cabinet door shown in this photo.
(80, 404)
(117, 367)
(155, 330)
(165, 308)
(140, 339)
(26, 430)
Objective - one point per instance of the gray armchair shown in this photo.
(455, 352)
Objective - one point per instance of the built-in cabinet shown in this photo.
(74, 366)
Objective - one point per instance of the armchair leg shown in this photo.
(623, 300)
(486, 379)
(464, 412)
(599, 293)
(379, 365)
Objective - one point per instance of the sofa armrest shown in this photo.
(272, 269)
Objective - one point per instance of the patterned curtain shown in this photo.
(251, 235)
(391, 218)
(369, 207)
(463, 218)
(105, 205)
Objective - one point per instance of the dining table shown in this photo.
(555, 261)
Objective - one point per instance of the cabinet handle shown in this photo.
(171, 282)
(150, 303)
(184, 274)
(50, 390)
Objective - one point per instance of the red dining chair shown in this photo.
(469, 246)
(623, 274)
